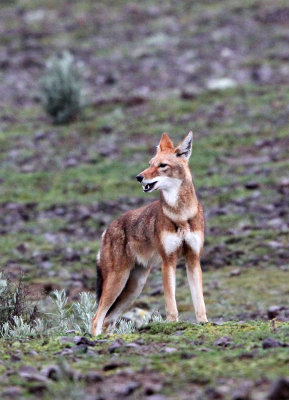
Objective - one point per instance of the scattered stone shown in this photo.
(274, 244)
(221, 84)
(242, 393)
(224, 341)
(178, 333)
(22, 248)
(235, 272)
(92, 377)
(132, 345)
(213, 394)
(169, 350)
(273, 311)
(52, 372)
(115, 365)
(80, 348)
(31, 374)
(126, 389)
(284, 182)
(279, 390)
(136, 99)
(271, 342)
(277, 15)
(187, 356)
(67, 339)
(248, 355)
(83, 340)
(116, 345)
(15, 357)
(71, 162)
(190, 93)
(12, 391)
(33, 353)
(110, 79)
(252, 185)
(37, 389)
(152, 388)
(140, 342)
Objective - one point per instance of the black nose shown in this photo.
(139, 178)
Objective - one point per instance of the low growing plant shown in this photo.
(76, 317)
(64, 318)
(14, 304)
(61, 89)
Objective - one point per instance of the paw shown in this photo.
(202, 320)
(172, 317)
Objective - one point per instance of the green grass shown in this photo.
(196, 359)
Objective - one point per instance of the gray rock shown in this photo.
(12, 391)
(224, 341)
(271, 342)
(221, 84)
(126, 389)
(279, 390)
(116, 345)
(92, 377)
(273, 311)
(31, 374)
(52, 372)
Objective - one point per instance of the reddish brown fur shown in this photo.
(142, 238)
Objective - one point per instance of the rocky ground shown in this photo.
(219, 68)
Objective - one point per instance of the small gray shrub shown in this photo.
(76, 317)
(61, 89)
(63, 318)
(14, 303)
(125, 327)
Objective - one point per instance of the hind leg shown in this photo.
(131, 291)
(113, 285)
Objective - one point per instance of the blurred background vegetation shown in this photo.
(220, 68)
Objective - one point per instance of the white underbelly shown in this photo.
(151, 259)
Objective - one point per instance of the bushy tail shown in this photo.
(99, 282)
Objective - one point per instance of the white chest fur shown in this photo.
(194, 240)
(172, 241)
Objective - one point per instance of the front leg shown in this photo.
(169, 282)
(194, 274)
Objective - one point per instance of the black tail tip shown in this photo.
(99, 282)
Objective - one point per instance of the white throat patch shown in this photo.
(170, 188)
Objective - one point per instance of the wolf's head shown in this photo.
(169, 167)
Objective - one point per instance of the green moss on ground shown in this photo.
(183, 353)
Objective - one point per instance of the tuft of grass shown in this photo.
(15, 308)
(19, 329)
(125, 327)
(61, 89)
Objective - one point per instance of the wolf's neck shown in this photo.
(180, 202)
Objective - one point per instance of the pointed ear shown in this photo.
(184, 149)
(165, 143)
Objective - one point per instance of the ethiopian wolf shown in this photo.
(158, 233)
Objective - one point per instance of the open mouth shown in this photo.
(149, 186)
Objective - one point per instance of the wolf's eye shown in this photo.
(163, 165)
